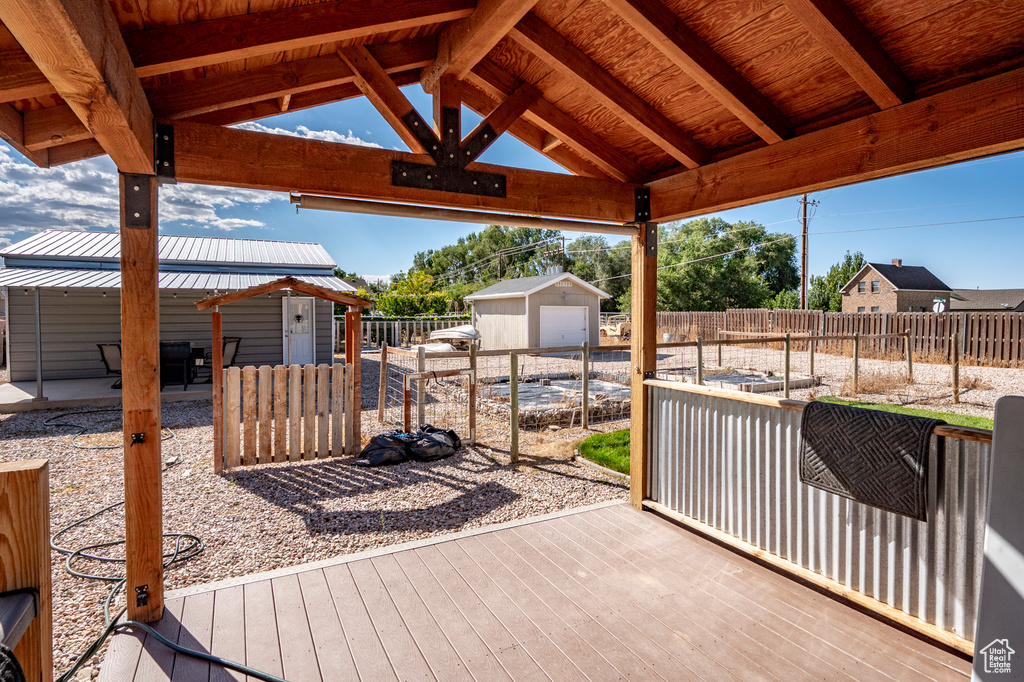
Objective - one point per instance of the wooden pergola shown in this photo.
(659, 109)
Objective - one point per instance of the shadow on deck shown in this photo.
(600, 593)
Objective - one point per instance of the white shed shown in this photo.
(538, 312)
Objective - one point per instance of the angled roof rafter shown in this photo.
(840, 32)
(547, 44)
(462, 44)
(658, 24)
(12, 131)
(82, 53)
(280, 284)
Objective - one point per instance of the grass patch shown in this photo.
(608, 449)
(948, 417)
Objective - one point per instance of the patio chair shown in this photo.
(174, 361)
(110, 353)
(230, 352)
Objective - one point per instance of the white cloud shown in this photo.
(83, 195)
(303, 131)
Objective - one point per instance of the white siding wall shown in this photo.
(501, 322)
(73, 325)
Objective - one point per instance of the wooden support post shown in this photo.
(643, 353)
(585, 402)
(382, 389)
(406, 407)
(353, 350)
(856, 363)
(217, 377)
(25, 556)
(421, 397)
(700, 361)
(956, 369)
(472, 394)
(140, 362)
(910, 357)
(720, 348)
(513, 402)
(785, 376)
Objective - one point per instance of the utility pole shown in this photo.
(803, 251)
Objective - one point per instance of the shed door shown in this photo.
(563, 325)
(299, 331)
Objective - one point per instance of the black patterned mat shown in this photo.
(876, 458)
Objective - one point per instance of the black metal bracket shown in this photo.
(164, 153)
(142, 595)
(652, 239)
(137, 204)
(650, 375)
(447, 179)
(451, 156)
(138, 438)
(642, 202)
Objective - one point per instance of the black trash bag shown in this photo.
(386, 448)
(432, 443)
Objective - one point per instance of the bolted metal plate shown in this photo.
(423, 132)
(476, 145)
(652, 239)
(136, 204)
(164, 148)
(642, 199)
(447, 179)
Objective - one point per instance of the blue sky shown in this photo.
(963, 254)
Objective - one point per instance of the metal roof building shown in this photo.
(71, 280)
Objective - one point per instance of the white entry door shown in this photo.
(299, 331)
(563, 325)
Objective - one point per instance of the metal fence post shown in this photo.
(785, 377)
(856, 362)
(382, 392)
(720, 348)
(421, 398)
(585, 403)
(956, 369)
(910, 357)
(700, 361)
(810, 351)
(513, 401)
(472, 393)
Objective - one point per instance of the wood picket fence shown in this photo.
(988, 338)
(288, 413)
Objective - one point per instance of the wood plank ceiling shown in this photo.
(631, 90)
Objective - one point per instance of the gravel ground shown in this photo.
(269, 516)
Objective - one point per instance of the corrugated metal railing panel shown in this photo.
(734, 465)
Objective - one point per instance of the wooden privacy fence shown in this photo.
(288, 413)
(986, 338)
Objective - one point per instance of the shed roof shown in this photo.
(524, 286)
(177, 251)
(905, 277)
(987, 299)
(71, 278)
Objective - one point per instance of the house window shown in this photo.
(860, 309)
(861, 288)
(876, 287)
(874, 308)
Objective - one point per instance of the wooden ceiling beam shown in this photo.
(971, 121)
(375, 83)
(546, 116)
(185, 46)
(211, 155)
(547, 44)
(462, 44)
(663, 29)
(77, 45)
(76, 151)
(58, 125)
(533, 136)
(166, 49)
(508, 112)
(840, 32)
(12, 131)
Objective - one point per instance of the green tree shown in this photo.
(785, 300)
(344, 274)
(497, 252)
(417, 283)
(824, 293)
(592, 260)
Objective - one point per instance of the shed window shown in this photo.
(860, 309)
(874, 308)
(861, 287)
(876, 287)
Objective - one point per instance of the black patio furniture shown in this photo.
(110, 353)
(174, 363)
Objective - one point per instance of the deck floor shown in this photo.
(602, 594)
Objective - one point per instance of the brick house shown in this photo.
(885, 288)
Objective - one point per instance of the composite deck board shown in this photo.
(601, 594)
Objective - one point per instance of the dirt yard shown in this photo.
(270, 516)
